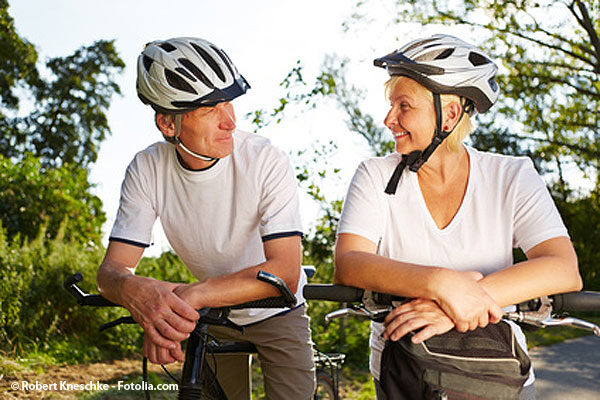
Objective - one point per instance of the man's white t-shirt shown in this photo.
(506, 205)
(215, 219)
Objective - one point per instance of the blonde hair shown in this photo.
(463, 128)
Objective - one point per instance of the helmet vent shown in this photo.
(225, 59)
(493, 84)
(147, 62)
(168, 47)
(418, 44)
(209, 60)
(444, 54)
(185, 73)
(477, 59)
(177, 82)
(196, 71)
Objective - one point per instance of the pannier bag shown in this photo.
(486, 363)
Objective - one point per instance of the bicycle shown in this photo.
(198, 380)
(537, 312)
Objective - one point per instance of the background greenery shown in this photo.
(51, 223)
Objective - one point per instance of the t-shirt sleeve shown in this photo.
(279, 208)
(136, 214)
(362, 213)
(536, 217)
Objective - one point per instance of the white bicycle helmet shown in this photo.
(181, 74)
(445, 64)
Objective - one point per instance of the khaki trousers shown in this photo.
(286, 357)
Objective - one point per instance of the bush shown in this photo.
(38, 316)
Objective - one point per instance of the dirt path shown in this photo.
(58, 380)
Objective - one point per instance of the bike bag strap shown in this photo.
(486, 363)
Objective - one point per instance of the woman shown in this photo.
(442, 230)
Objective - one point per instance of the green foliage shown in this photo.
(32, 196)
(46, 146)
(17, 63)
(40, 321)
(582, 217)
(330, 84)
(37, 314)
(67, 120)
(167, 267)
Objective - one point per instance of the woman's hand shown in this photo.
(417, 314)
(465, 301)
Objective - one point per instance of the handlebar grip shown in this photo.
(96, 300)
(288, 297)
(84, 299)
(269, 302)
(339, 293)
(576, 301)
(72, 280)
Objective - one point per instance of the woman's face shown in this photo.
(411, 118)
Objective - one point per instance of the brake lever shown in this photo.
(574, 322)
(377, 316)
(543, 318)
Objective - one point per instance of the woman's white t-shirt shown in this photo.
(215, 219)
(506, 206)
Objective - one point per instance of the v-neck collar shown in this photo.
(414, 181)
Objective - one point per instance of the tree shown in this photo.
(550, 88)
(46, 147)
(33, 197)
(67, 120)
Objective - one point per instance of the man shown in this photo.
(228, 204)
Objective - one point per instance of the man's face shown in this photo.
(209, 130)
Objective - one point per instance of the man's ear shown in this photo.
(166, 124)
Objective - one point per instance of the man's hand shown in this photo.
(161, 355)
(463, 299)
(164, 316)
(421, 314)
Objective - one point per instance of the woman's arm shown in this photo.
(551, 268)
(457, 293)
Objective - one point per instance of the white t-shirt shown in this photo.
(215, 219)
(506, 205)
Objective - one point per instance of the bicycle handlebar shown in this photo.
(84, 299)
(572, 301)
(339, 293)
(287, 298)
(576, 301)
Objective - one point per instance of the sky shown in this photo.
(264, 38)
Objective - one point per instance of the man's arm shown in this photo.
(283, 259)
(165, 317)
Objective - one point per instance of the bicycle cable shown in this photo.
(145, 377)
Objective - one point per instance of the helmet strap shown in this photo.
(175, 140)
(415, 159)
